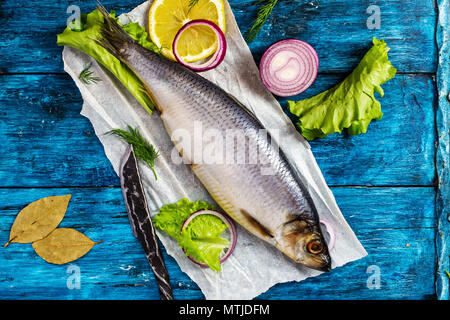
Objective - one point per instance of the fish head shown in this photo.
(302, 240)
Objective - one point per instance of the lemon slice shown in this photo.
(166, 17)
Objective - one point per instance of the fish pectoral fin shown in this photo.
(256, 227)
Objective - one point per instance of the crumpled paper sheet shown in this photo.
(255, 266)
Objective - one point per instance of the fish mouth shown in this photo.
(315, 252)
(302, 241)
(321, 262)
(325, 264)
(325, 268)
(321, 259)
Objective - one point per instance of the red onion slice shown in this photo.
(330, 231)
(289, 67)
(226, 220)
(218, 56)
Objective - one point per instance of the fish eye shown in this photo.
(315, 246)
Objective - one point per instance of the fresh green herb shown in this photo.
(263, 13)
(192, 3)
(201, 238)
(142, 148)
(85, 41)
(350, 104)
(447, 273)
(86, 75)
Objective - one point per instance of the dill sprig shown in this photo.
(87, 76)
(192, 3)
(142, 148)
(264, 12)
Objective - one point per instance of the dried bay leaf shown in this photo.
(63, 245)
(38, 219)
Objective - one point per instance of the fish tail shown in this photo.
(114, 39)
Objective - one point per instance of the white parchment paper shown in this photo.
(254, 266)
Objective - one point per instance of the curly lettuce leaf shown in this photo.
(350, 104)
(82, 38)
(171, 217)
(201, 239)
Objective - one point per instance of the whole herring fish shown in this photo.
(264, 197)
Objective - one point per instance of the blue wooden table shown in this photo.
(392, 183)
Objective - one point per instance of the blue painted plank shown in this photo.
(336, 29)
(396, 226)
(443, 153)
(48, 143)
(397, 150)
(339, 33)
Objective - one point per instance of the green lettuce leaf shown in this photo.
(84, 41)
(201, 239)
(350, 104)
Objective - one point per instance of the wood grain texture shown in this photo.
(50, 149)
(396, 226)
(388, 154)
(443, 153)
(49, 144)
(338, 31)
(28, 39)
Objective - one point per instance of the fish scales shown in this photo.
(263, 196)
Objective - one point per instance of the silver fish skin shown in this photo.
(275, 207)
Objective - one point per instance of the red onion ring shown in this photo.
(330, 231)
(218, 56)
(289, 67)
(225, 220)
